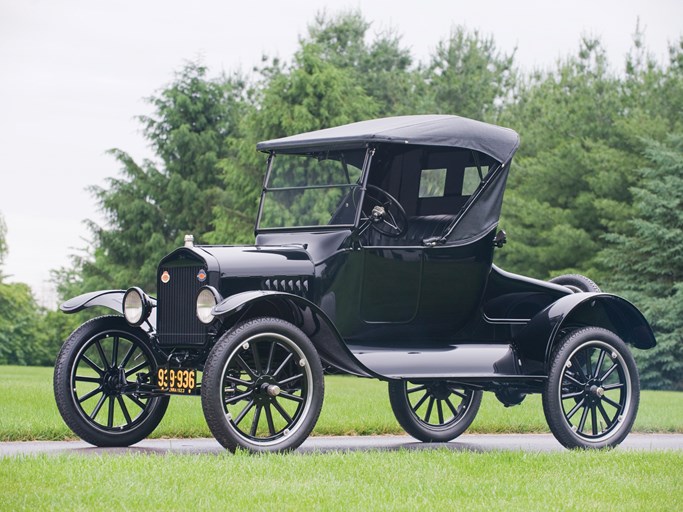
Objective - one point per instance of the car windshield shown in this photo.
(314, 189)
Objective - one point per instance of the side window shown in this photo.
(432, 183)
(472, 178)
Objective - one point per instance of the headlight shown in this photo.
(136, 306)
(207, 298)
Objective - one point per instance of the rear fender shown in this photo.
(302, 313)
(539, 337)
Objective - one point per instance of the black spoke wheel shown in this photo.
(433, 411)
(592, 393)
(96, 379)
(262, 387)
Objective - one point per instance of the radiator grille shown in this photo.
(177, 321)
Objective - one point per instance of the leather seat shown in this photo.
(419, 229)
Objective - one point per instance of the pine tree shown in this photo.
(647, 261)
(582, 129)
(153, 204)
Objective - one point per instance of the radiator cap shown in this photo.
(189, 241)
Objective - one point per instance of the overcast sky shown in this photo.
(73, 76)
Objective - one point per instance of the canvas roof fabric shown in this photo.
(429, 130)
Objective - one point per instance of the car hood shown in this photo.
(256, 261)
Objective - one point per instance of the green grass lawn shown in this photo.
(401, 480)
(408, 480)
(352, 406)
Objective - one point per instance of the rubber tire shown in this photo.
(212, 404)
(552, 407)
(62, 387)
(418, 428)
(577, 283)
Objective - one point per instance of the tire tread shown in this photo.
(213, 412)
(65, 405)
(578, 281)
(552, 409)
(421, 432)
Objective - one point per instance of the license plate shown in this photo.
(179, 381)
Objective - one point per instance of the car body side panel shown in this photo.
(515, 299)
(305, 315)
(454, 279)
(384, 295)
(466, 362)
(390, 287)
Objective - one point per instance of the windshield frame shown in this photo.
(367, 161)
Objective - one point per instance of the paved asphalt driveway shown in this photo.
(467, 442)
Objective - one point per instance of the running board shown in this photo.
(449, 362)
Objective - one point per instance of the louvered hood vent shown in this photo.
(296, 285)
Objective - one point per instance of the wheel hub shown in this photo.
(265, 389)
(593, 391)
(113, 381)
(597, 391)
(272, 389)
(439, 391)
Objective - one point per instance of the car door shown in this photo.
(391, 282)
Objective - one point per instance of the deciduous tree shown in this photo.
(21, 338)
(309, 94)
(468, 76)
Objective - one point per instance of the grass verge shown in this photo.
(352, 407)
(401, 480)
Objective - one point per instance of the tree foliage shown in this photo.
(467, 75)
(561, 130)
(581, 127)
(381, 66)
(23, 339)
(647, 262)
(319, 89)
(153, 204)
(593, 188)
(17, 324)
(3, 241)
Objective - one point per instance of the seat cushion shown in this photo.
(419, 229)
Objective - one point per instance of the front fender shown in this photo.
(302, 313)
(112, 299)
(538, 338)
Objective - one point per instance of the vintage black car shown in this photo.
(373, 257)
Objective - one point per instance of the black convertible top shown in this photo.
(429, 130)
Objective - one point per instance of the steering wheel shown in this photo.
(383, 213)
